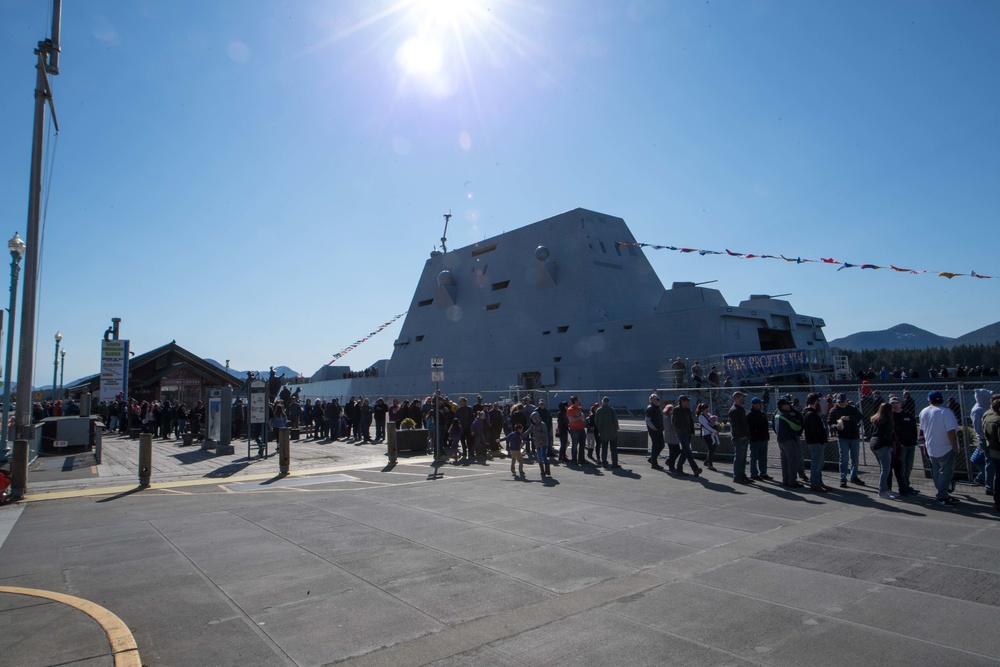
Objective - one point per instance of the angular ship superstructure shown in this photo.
(560, 305)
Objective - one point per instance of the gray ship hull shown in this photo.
(559, 304)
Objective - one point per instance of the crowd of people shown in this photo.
(934, 373)
(160, 419)
(578, 435)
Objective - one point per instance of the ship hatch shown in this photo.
(775, 339)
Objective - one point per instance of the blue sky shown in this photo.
(200, 139)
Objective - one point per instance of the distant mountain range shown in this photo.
(242, 375)
(909, 337)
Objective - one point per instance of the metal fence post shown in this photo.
(145, 458)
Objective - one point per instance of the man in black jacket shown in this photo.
(759, 432)
(741, 437)
(846, 418)
(683, 423)
(816, 435)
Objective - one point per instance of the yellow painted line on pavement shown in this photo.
(202, 481)
(123, 646)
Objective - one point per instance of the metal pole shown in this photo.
(26, 349)
(437, 427)
(55, 366)
(15, 269)
(62, 369)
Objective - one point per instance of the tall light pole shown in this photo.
(48, 64)
(55, 366)
(16, 247)
(62, 369)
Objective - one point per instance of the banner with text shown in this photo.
(761, 364)
(114, 369)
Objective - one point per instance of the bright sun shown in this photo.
(437, 24)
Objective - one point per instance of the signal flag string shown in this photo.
(798, 260)
(353, 345)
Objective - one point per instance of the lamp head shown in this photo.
(16, 247)
(58, 336)
(62, 353)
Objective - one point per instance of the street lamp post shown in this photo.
(16, 247)
(62, 369)
(55, 366)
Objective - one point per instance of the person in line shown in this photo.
(905, 430)
(787, 429)
(816, 433)
(540, 434)
(740, 432)
(670, 437)
(710, 432)
(988, 474)
(606, 423)
(991, 431)
(683, 424)
(654, 427)
(846, 419)
(577, 430)
(881, 444)
(562, 425)
(940, 429)
(760, 433)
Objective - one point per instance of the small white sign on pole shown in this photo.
(437, 362)
(258, 402)
(437, 376)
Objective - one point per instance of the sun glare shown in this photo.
(420, 56)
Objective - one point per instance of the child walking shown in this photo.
(514, 449)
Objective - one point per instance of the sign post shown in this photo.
(258, 411)
(437, 377)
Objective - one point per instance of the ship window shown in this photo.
(546, 333)
(557, 359)
(627, 327)
(600, 331)
(418, 338)
(500, 285)
(492, 306)
(425, 302)
(603, 248)
(476, 252)
(618, 249)
(563, 329)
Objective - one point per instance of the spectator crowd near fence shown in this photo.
(836, 426)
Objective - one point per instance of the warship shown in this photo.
(571, 303)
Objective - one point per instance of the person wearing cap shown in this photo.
(654, 426)
(788, 428)
(606, 421)
(940, 428)
(759, 433)
(683, 423)
(846, 418)
(740, 431)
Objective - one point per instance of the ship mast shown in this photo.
(48, 63)
(444, 234)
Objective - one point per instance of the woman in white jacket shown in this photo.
(709, 431)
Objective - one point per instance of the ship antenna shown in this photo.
(444, 239)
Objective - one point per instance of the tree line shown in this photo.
(969, 356)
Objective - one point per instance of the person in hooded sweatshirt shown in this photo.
(988, 475)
